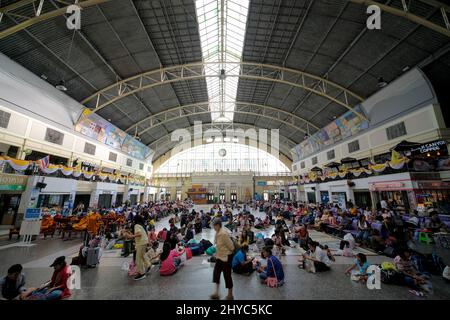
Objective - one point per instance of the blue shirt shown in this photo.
(238, 259)
(362, 269)
(274, 263)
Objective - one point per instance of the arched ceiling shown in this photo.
(120, 39)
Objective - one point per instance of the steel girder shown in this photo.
(247, 70)
(165, 144)
(405, 13)
(39, 14)
(204, 107)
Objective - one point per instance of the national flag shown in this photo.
(44, 162)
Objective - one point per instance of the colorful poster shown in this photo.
(92, 125)
(345, 126)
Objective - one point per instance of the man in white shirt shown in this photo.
(319, 257)
(383, 204)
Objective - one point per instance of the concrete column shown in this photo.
(114, 197)
(317, 192)
(329, 194)
(350, 194)
(126, 193)
(93, 202)
(28, 199)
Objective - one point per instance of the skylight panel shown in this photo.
(222, 42)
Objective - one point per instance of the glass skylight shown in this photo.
(211, 157)
(222, 26)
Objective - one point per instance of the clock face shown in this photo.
(222, 152)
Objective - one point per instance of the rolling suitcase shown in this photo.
(93, 257)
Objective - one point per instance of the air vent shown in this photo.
(4, 119)
(54, 136)
(89, 148)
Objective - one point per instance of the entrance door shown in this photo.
(133, 199)
(119, 199)
(233, 197)
(104, 200)
(9, 204)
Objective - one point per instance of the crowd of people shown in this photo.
(289, 223)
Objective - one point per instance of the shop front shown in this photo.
(397, 194)
(433, 194)
(11, 188)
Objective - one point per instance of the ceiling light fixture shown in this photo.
(406, 68)
(61, 86)
(381, 83)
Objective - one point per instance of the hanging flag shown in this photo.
(43, 163)
(395, 156)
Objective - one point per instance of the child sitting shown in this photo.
(153, 253)
(358, 271)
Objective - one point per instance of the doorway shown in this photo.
(104, 200)
(9, 205)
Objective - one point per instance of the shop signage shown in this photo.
(12, 182)
(433, 185)
(439, 145)
(384, 185)
(32, 214)
(262, 183)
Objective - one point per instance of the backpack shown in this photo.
(391, 277)
(210, 251)
(205, 244)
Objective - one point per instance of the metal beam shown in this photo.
(204, 108)
(407, 15)
(47, 16)
(261, 110)
(163, 144)
(254, 71)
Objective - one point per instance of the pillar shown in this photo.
(317, 192)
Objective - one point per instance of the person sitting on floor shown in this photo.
(170, 260)
(153, 253)
(412, 278)
(272, 269)
(243, 239)
(189, 233)
(318, 258)
(363, 230)
(57, 287)
(358, 271)
(242, 264)
(13, 284)
(377, 243)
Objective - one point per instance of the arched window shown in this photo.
(222, 157)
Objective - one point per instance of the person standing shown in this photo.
(224, 255)
(143, 263)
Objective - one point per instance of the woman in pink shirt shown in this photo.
(170, 261)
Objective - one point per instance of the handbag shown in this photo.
(272, 281)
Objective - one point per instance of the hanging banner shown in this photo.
(51, 168)
(18, 165)
(67, 171)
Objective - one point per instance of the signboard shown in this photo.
(434, 185)
(345, 126)
(92, 125)
(385, 186)
(30, 228)
(339, 198)
(32, 214)
(439, 145)
(262, 183)
(12, 182)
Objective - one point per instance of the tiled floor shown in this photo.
(194, 279)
